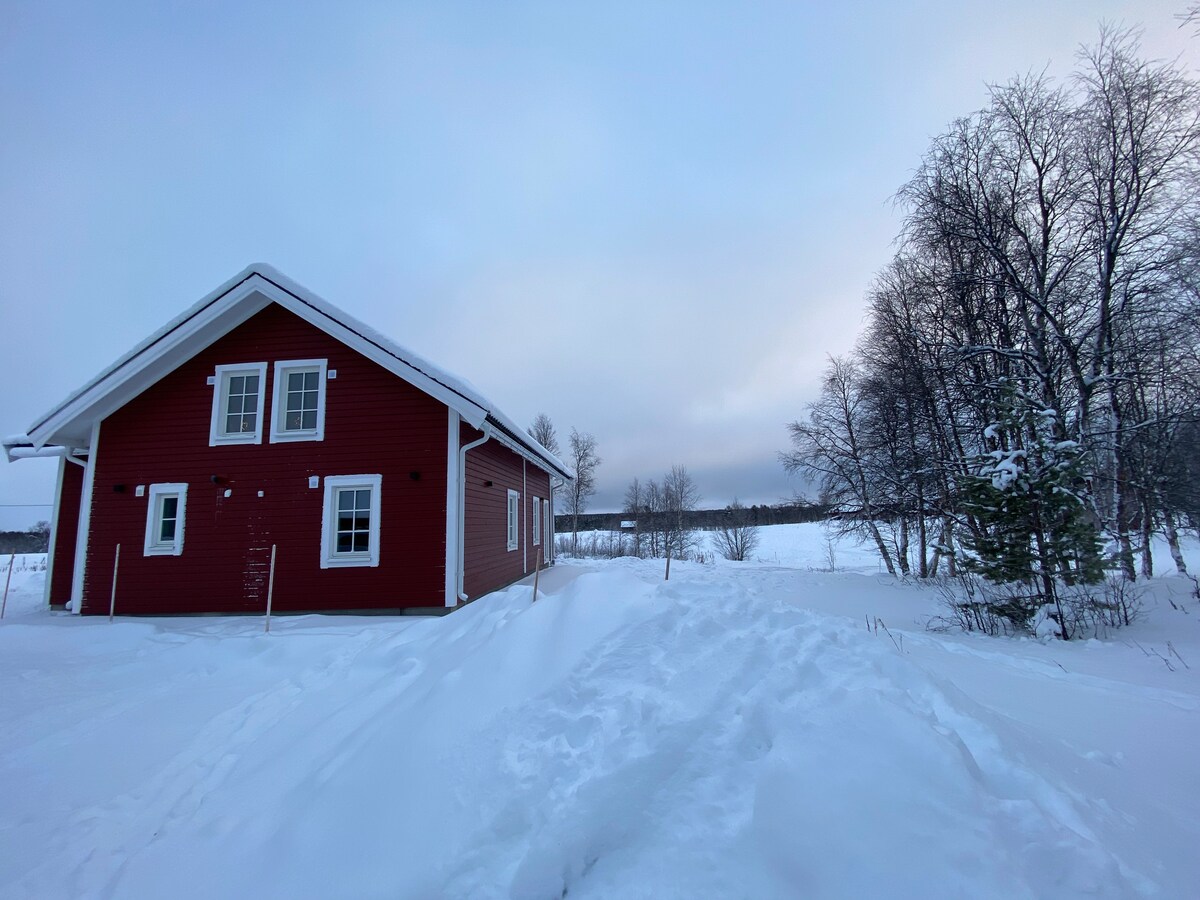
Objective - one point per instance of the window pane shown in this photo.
(352, 521)
(169, 506)
(302, 401)
(241, 404)
(166, 534)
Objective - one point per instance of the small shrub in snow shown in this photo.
(736, 537)
(830, 554)
(1094, 609)
(975, 604)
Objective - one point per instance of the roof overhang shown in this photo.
(70, 423)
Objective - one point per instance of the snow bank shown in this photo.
(719, 735)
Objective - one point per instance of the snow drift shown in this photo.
(705, 737)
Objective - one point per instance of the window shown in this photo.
(514, 509)
(537, 521)
(238, 404)
(350, 522)
(298, 401)
(164, 519)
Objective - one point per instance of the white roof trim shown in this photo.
(222, 310)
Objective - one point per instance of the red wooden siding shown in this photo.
(375, 423)
(66, 530)
(538, 486)
(489, 563)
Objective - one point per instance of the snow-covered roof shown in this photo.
(222, 310)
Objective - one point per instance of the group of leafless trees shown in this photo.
(656, 511)
(582, 459)
(1026, 388)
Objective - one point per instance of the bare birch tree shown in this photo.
(584, 460)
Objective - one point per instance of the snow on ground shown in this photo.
(734, 732)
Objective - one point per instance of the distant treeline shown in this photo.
(781, 514)
(24, 542)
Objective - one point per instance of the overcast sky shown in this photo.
(653, 222)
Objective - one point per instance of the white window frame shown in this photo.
(220, 404)
(283, 369)
(537, 521)
(157, 494)
(514, 519)
(330, 558)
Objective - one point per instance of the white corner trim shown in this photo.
(58, 486)
(524, 519)
(329, 558)
(279, 400)
(152, 546)
(85, 522)
(216, 433)
(462, 508)
(452, 506)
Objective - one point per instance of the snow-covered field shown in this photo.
(734, 732)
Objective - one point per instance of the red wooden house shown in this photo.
(263, 416)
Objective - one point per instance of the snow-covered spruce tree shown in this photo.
(1028, 495)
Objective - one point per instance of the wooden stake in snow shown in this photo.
(12, 562)
(668, 576)
(270, 590)
(537, 570)
(112, 602)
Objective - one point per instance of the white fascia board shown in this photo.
(548, 463)
(381, 354)
(154, 358)
(224, 309)
(524, 452)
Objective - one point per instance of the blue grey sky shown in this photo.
(652, 221)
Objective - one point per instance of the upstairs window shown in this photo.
(165, 519)
(298, 401)
(514, 511)
(350, 525)
(537, 521)
(237, 412)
